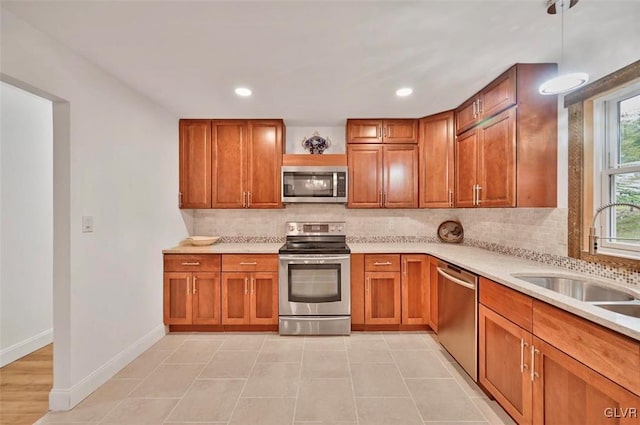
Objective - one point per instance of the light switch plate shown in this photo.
(87, 223)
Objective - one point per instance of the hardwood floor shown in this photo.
(25, 386)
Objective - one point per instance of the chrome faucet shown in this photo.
(593, 238)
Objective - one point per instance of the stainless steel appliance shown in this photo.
(317, 184)
(314, 280)
(458, 315)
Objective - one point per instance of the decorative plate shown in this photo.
(450, 231)
(316, 144)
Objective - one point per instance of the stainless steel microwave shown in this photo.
(314, 184)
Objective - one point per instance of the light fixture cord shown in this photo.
(561, 33)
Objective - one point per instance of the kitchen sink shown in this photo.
(628, 309)
(577, 288)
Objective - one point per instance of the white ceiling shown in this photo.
(319, 62)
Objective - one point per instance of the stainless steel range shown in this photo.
(314, 276)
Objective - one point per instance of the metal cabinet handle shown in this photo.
(451, 197)
(534, 374)
(386, 263)
(475, 109)
(253, 285)
(480, 107)
(248, 199)
(368, 285)
(384, 131)
(380, 198)
(194, 288)
(252, 263)
(523, 365)
(384, 198)
(246, 285)
(188, 290)
(478, 188)
(191, 263)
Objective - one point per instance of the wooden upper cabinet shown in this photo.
(382, 131)
(229, 163)
(497, 161)
(364, 131)
(195, 163)
(466, 154)
(247, 157)
(400, 131)
(436, 160)
(499, 95)
(365, 176)
(400, 176)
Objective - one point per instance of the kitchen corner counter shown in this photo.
(226, 248)
(500, 267)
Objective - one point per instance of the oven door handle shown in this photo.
(312, 260)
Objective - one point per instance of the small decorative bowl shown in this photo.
(202, 240)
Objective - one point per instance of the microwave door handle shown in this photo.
(335, 184)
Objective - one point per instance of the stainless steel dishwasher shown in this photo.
(458, 315)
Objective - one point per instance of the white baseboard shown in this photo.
(67, 398)
(29, 345)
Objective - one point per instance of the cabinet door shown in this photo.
(400, 176)
(499, 95)
(365, 176)
(264, 162)
(433, 294)
(195, 163)
(205, 290)
(400, 131)
(264, 298)
(357, 289)
(466, 156)
(364, 131)
(504, 358)
(229, 163)
(177, 298)
(467, 115)
(436, 161)
(567, 392)
(235, 298)
(382, 298)
(415, 289)
(497, 161)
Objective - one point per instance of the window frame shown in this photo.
(606, 127)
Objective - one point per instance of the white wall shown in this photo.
(26, 220)
(115, 158)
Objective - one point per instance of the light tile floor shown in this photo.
(266, 379)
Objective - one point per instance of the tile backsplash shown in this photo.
(538, 234)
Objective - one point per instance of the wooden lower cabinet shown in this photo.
(536, 382)
(504, 363)
(192, 298)
(382, 298)
(357, 291)
(249, 298)
(415, 289)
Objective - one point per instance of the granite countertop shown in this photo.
(495, 266)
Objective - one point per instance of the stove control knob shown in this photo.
(292, 227)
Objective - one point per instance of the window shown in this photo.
(617, 170)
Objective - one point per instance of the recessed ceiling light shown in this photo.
(243, 91)
(403, 92)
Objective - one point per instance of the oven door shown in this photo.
(314, 285)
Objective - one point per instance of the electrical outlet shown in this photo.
(87, 224)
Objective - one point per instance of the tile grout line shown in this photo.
(353, 389)
(404, 381)
(255, 362)
(295, 405)
(101, 421)
(194, 379)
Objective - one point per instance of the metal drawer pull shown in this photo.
(248, 199)
(252, 263)
(194, 288)
(368, 285)
(451, 197)
(523, 365)
(246, 285)
(253, 285)
(386, 263)
(534, 374)
(191, 263)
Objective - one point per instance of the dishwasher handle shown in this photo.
(455, 280)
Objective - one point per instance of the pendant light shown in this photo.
(564, 82)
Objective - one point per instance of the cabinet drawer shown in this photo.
(609, 353)
(382, 263)
(191, 263)
(511, 304)
(250, 263)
